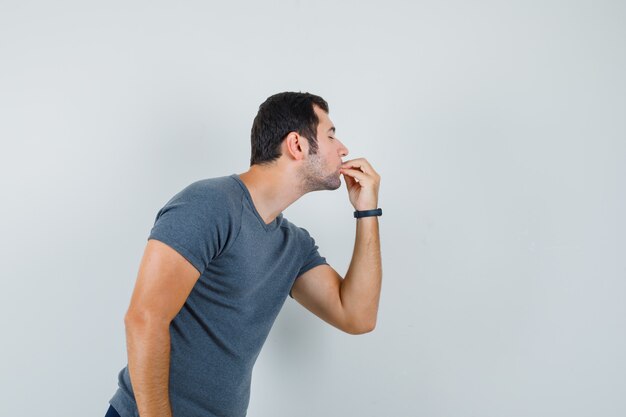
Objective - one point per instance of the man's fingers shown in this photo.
(354, 173)
(361, 164)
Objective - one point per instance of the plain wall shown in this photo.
(498, 129)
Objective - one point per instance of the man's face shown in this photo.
(321, 170)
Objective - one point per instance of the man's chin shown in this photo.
(335, 183)
(327, 182)
(330, 184)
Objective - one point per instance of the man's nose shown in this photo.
(343, 151)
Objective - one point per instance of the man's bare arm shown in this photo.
(164, 282)
(349, 304)
(360, 289)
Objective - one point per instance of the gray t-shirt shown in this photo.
(247, 269)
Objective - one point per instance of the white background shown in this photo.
(498, 129)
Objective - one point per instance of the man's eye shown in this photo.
(331, 137)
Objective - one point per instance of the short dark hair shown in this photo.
(279, 115)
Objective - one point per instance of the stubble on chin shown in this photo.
(313, 181)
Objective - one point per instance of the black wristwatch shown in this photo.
(367, 213)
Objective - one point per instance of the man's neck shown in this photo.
(272, 188)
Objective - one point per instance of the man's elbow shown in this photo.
(361, 329)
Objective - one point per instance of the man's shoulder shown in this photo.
(209, 198)
(222, 190)
(223, 184)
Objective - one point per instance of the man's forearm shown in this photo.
(360, 289)
(148, 346)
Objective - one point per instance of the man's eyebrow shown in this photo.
(332, 128)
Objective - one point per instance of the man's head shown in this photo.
(279, 115)
(293, 118)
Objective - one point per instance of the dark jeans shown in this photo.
(111, 412)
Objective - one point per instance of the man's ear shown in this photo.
(295, 145)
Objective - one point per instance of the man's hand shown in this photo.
(362, 183)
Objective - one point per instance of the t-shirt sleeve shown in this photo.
(312, 257)
(195, 223)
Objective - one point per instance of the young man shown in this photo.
(221, 260)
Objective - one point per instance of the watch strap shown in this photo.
(366, 213)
